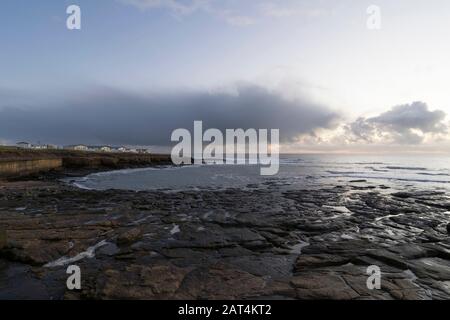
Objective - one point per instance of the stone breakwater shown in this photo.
(20, 163)
(17, 168)
(261, 243)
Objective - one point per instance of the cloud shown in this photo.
(232, 12)
(405, 124)
(109, 116)
(177, 6)
(275, 10)
(187, 7)
(412, 116)
(12, 96)
(238, 21)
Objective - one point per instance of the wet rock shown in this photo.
(404, 289)
(388, 258)
(280, 290)
(3, 239)
(221, 281)
(308, 262)
(229, 244)
(434, 268)
(129, 236)
(412, 251)
(140, 282)
(322, 286)
(109, 249)
(402, 195)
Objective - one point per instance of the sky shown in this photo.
(139, 69)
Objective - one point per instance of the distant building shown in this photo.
(105, 149)
(120, 149)
(93, 148)
(24, 145)
(39, 147)
(77, 147)
(142, 151)
(99, 148)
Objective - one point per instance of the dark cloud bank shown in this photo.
(109, 116)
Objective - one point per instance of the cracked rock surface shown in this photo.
(228, 244)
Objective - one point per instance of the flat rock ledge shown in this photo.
(231, 244)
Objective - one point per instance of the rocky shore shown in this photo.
(246, 244)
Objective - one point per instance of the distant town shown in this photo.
(81, 147)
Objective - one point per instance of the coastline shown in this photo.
(227, 244)
(51, 164)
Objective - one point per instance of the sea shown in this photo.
(412, 172)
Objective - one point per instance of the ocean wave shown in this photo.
(127, 171)
(373, 163)
(291, 161)
(79, 185)
(377, 170)
(405, 168)
(390, 178)
(344, 172)
(433, 174)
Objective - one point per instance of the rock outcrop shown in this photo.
(228, 244)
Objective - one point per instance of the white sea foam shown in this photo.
(89, 253)
(297, 249)
(175, 230)
(340, 209)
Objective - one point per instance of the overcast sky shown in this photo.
(139, 69)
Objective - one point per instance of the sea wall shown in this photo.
(21, 162)
(16, 168)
